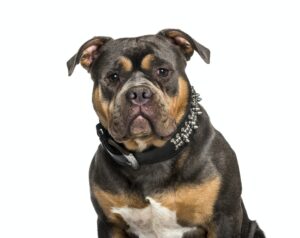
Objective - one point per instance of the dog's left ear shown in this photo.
(186, 43)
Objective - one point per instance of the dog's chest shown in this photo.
(161, 214)
(154, 220)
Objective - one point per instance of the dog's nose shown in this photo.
(139, 95)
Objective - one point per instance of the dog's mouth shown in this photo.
(141, 123)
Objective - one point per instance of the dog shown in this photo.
(161, 170)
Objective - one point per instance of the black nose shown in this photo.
(139, 95)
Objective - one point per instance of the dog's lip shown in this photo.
(138, 115)
(143, 115)
(140, 118)
(138, 112)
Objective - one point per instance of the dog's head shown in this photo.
(141, 91)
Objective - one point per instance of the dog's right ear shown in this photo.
(87, 53)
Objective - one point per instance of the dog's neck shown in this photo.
(168, 151)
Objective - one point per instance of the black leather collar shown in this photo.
(172, 147)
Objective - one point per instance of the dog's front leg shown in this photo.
(103, 228)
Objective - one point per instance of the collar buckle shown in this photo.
(132, 161)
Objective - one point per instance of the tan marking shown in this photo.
(178, 104)
(158, 142)
(101, 106)
(107, 201)
(126, 63)
(118, 233)
(135, 144)
(193, 204)
(130, 145)
(146, 61)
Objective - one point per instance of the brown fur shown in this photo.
(193, 204)
(134, 144)
(146, 61)
(118, 233)
(126, 63)
(101, 106)
(178, 104)
(109, 200)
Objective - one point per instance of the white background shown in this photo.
(47, 124)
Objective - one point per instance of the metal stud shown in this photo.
(183, 136)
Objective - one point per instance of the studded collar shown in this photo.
(173, 147)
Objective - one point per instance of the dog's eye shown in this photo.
(113, 77)
(162, 72)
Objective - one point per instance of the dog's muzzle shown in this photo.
(139, 98)
(141, 110)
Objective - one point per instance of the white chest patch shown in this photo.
(153, 221)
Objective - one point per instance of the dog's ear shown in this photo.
(186, 43)
(87, 53)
